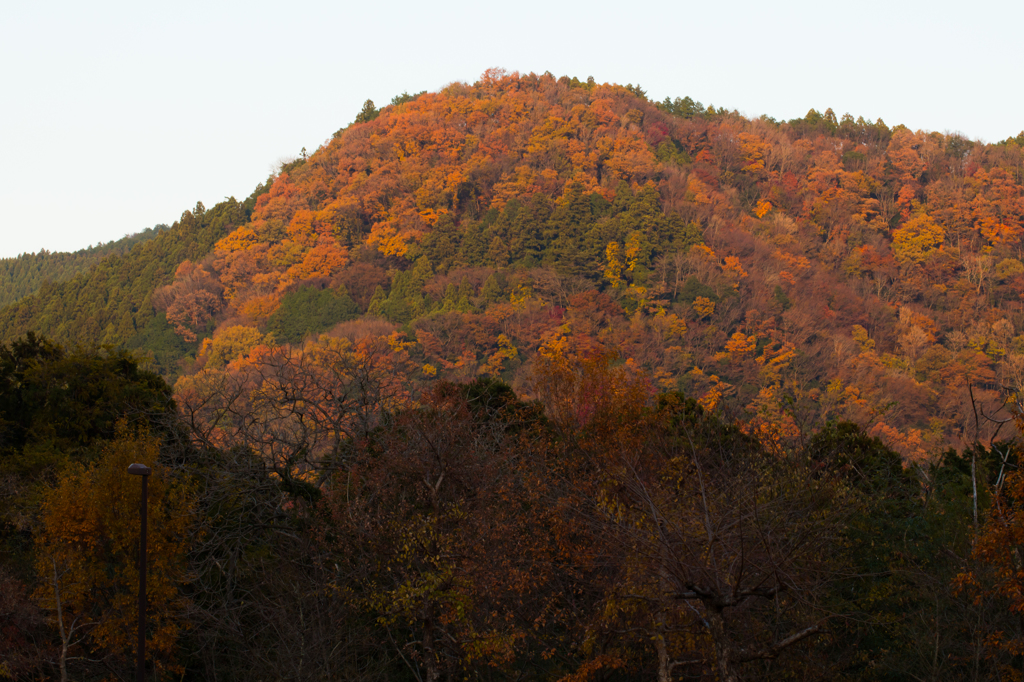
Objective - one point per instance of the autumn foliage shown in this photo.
(535, 376)
(740, 256)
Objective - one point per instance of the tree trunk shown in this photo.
(664, 664)
(664, 661)
(64, 635)
(723, 652)
(429, 659)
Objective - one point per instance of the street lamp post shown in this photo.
(144, 471)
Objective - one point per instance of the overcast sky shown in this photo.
(116, 116)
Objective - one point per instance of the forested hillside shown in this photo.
(26, 273)
(537, 379)
(795, 272)
(109, 303)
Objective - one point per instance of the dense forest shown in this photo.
(536, 378)
(312, 518)
(26, 273)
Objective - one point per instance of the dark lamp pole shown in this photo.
(144, 471)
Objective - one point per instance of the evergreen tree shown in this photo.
(566, 229)
(441, 245)
(368, 112)
(377, 302)
(406, 301)
(310, 311)
(475, 242)
(492, 290)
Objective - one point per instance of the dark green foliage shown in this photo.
(992, 465)
(512, 236)
(682, 235)
(1017, 141)
(368, 112)
(683, 108)
(693, 288)
(684, 415)
(526, 229)
(670, 151)
(958, 146)
(853, 160)
(475, 239)
(256, 583)
(56, 405)
(565, 232)
(586, 85)
(377, 302)
(456, 298)
(492, 289)
(69, 399)
(899, 615)
(887, 517)
(398, 100)
(571, 236)
(406, 301)
(162, 346)
(310, 310)
(441, 245)
(815, 121)
(864, 461)
(637, 90)
(859, 131)
(111, 302)
(25, 274)
(781, 299)
(288, 167)
(492, 399)
(599, 206)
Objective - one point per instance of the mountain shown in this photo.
(536, 378)
(789, 272)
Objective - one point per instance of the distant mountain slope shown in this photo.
(25, 274)
(110, 302)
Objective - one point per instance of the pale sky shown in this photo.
(116, 116)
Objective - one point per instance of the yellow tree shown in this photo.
(918, 237)
(87, 552)
(613, 270)
(230, 344)
(704, 307)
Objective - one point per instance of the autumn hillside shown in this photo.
(535, 379)
(791, 273)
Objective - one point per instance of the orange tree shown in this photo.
(87, 550)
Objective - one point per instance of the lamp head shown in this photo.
(139, 470)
